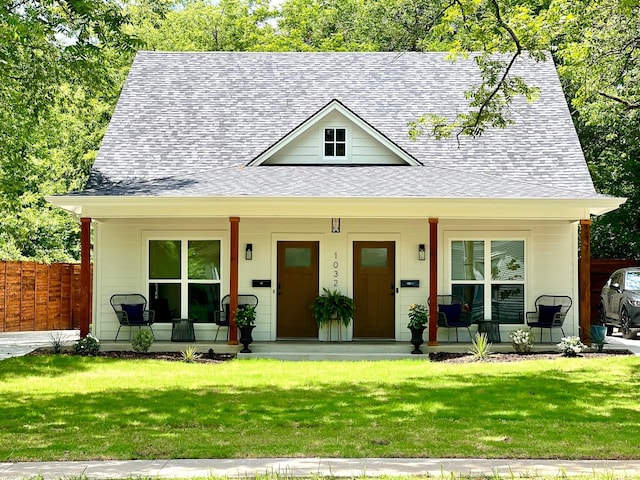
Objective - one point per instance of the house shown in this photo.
(279, 174)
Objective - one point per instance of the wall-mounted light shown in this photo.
(248, 252)
(422, 254)
(335, 225)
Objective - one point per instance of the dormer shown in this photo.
(334, 136)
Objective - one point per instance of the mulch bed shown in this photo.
(206, 357)
(450, 357)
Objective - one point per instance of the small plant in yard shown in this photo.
(418, 315)
(141, 342)
(571, 346)
(87, 347)
(56, 342)
(480, 346)
(522, 340)
(190, 354)
(245, 316)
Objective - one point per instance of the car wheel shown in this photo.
(603, 320)
(624, 324)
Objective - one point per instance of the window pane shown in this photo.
(164, 259)
(467, 260)
(373, 257)
(165, 301)
(507, 302)
(328, 149)
(473, 297)
(204, 300)
(329, 135)
(340, 150)
(297, 257)
(340, 134)
(204, 259)
(507, 260)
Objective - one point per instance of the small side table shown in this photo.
(182, 330)
(491, 328)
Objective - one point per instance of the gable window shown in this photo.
(335, 142)
(489, 276)
(184, 278)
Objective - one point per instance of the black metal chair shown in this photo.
(551, 310)
(222, 316)
(131, 310)
(452, 314)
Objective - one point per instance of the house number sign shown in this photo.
(336, 271)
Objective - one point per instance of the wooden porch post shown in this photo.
(584, 286)
(233, 279)
(85, 275)
(433, 282)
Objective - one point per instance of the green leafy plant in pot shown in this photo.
(245, 320)
(330, 306)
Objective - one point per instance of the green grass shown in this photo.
(77, 408)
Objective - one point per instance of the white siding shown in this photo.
(307, 148)
(120, 266)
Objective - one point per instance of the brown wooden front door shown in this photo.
(374, 289)
(298, 277)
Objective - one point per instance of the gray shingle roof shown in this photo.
(187, 124)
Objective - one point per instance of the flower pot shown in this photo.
(246, 337)
(416, 339)
(598, 333)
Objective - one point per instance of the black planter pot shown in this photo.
(246, 338)
(416, 339)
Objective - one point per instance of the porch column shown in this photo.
(233, 279)
(85, 275)
(584, 281)
(433, 282)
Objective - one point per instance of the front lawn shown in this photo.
(76, 408)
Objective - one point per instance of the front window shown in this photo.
(489, 275)
(184, 279)
(335, 142)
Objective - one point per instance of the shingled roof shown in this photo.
(188, 124)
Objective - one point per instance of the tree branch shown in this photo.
(629, 105)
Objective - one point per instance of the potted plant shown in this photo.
(418, 320)
(332, 307)
(245, 321)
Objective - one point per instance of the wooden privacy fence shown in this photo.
(35, 296)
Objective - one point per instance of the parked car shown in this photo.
(620, 302)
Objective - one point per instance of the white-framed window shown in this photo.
(335, 142)
(184, 277)
(489, 274)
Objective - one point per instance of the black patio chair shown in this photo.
(452, 314)
(551, 310)
(222, 316)
(131, 310)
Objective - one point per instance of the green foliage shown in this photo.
(418, 315)
(142, 340)
(190, 354)
(480, 346)
(87, 347)
(332, 305)
(245, 315)
(56, 341)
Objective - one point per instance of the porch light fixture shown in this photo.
(248, 252)
(335, 225)
(422, 255)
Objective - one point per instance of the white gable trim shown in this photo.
(317, 118)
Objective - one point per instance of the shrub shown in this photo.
(190, 355)
(141, 341)
(418, 315)
(522, 340)
(87, 347)
(571, 346)
(480, 346)
(56, 342)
